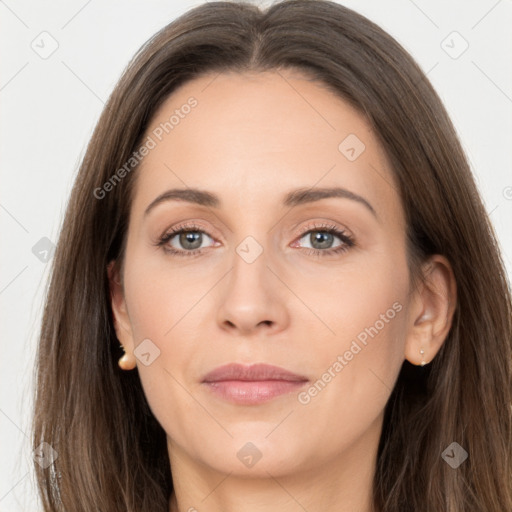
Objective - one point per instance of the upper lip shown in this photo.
(255, 372)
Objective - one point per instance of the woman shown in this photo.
(337, 336)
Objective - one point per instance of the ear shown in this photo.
(122, 322)
(432, 311)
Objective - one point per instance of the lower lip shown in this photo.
(253, 392)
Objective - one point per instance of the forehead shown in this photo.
(252, 137)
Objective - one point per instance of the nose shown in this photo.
(253, 298)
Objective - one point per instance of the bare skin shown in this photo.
(250, 140)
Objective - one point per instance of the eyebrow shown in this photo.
(293, 198)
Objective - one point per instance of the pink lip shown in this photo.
(252, 384)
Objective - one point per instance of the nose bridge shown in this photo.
(250, 271)
(249, 297)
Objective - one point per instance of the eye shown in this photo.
(190, 238)
(321, 239)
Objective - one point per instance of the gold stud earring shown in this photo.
(127, 361)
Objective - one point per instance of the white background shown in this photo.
(50, 106)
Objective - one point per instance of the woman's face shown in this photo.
(297, 260)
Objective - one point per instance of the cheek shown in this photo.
(355, 373)
(158, 309)
(156, 304)
(362, 307)
(361, 300)
(357, 366)
(158, 295)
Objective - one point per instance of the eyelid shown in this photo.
(324, 224)
(173, 231)
(347, 239)
(340, 232)
(195, 225)
(188, 225)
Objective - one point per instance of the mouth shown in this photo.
(251, 385)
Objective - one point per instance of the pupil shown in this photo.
(190, 237)
(323, 238)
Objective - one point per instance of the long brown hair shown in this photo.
(112, 453)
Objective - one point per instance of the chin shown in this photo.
(257, 456)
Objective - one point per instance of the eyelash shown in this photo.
(347, 240)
